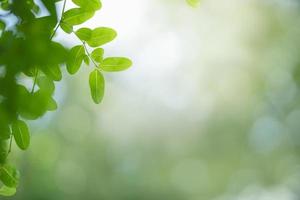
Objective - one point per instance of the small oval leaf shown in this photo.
(97, 86)
(114, 64)
(97, 55)
(21, 134)
(75, 59)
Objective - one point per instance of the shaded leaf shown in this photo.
(52, 105)
(45, 84)
(53, 72)
(21, 134)
(9, 176)
(101, 36)
(7, 191)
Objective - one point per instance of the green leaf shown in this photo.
(101, 36)
(86, 60)
(66, 27)
(76, 16)
(2, 25)
(89, 5)
(114, 64)
(97, 86)
(52, 105)
(4, 132)
(21, 134)
(45, 84)
(9, 176)
(3, 151)
(97, 55)
(7, 191)
(193, 3)
(53, 72)
(84, 34)
(75, 59)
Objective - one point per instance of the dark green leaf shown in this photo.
(113, 64)
(21, 134)
(9, 176)
(53, 72)
(3, 151)
(45, 84)
(97, 86)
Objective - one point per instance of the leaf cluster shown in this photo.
(28, 52)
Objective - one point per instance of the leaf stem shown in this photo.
(58, 24)
(35, 80)
(10, 144)
(88, 53)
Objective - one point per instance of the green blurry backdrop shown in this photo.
(209, 111)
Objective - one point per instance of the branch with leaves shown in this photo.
(27, 50)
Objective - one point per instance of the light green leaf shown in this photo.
(76, 16)
(193, 3)
(21, 134)
(9, 176)
(114, 64)
(88, 4)
(3, 151)
(7, 191)
(86, 60)
(97, 86)
(4, 131)
(75, 59)
(84, 34)
(97, 55)
(101, 36)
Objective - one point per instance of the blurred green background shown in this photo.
(209, 111)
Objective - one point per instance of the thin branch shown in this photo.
(35, 80)
(59, 22)
(10, 144)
